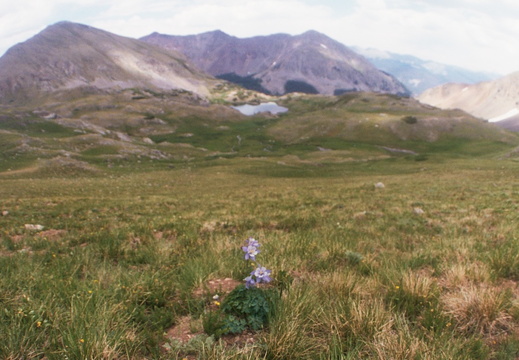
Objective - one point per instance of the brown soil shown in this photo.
(52, 234)
(217, 286)
(186, 328)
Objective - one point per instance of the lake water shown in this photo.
(270, 107)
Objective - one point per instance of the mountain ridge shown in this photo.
(311, 62)
(419, 75)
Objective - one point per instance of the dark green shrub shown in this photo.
(410, 120)
(247, 308)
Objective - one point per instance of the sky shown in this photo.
(480, 35)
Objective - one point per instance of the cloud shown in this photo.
(453, 34)
(237, 17)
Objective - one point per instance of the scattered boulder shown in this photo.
(360, 215)
(33, 227)
(123, 137)
(379, 185)
(5, 213)
(46, 115)
(418, 211)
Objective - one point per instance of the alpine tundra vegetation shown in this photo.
(126, 258)
(375, 227)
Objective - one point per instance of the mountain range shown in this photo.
(281, 63)
(419, 75)
(68, 56)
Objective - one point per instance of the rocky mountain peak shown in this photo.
(68, 55)
(310, 62)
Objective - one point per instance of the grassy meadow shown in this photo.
(122, 218)
(425, 267)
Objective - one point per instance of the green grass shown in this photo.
(324, 132)
(101, 150)
(36, 127)
(134, 243)
(364, 276)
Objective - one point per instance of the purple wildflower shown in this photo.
(262, 274)
(251, 249)
(250, 252)
(249, 282)
(253, 242)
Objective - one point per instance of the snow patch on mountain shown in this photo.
(505, 116)
(414, 82)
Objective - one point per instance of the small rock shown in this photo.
(418, 211)
(123, 137)
(33, 227)
(379, 185)
(50, 116)
(360, 215)
(5, 213)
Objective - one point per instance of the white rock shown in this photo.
(5, 213)
(418, 211)
(360, 215)
(379, 185)
(33, 227)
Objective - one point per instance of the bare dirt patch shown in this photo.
(52, 234)
(184, 330)
(217, 286)
(187, 328)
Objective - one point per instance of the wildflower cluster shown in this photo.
(260, 274)
(247, 306)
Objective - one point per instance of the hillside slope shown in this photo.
(67, 55)
(381, 119)
(495, 101)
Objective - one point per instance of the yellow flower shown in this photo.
(38, 324)
(81, 340)
(397, 287)
(217, 303)
(90, 291)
